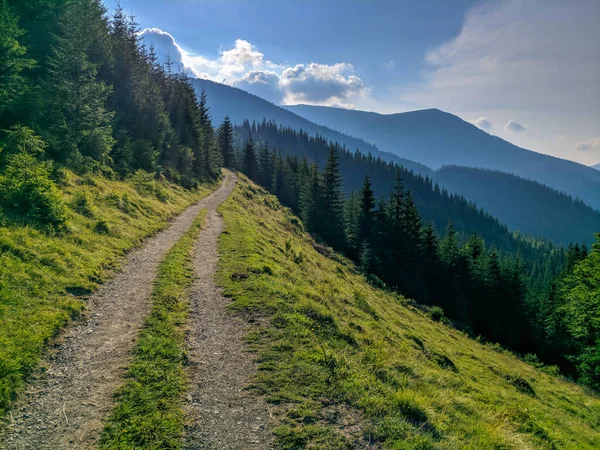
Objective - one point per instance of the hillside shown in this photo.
(435, 138)
(240, 105)
(435, 205)
(46, 277)
(524, 205)
(345, 365)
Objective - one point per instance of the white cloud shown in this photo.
(482, 123)
(536, 60)
(320, 83)
(163, 43)
(244, 66)
(388, 64)
(592, 144)
(514, 127)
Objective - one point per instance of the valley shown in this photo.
(186, 265)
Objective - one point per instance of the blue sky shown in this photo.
(525, 70)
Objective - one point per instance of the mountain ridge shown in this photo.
(437, 138)
(241, 105)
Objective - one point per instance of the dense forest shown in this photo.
(79, 91)
(525, 205)
(91, 98)
(435, 204)
(515, 298)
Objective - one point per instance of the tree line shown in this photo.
(499, 295)
(80, 90)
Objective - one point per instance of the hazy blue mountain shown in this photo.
(524, 205)
(239, 105)
(436, 138)
(597, 167)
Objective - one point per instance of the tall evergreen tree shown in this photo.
(366, 219)
(13, 61)
(225, 143)
(267, 166)
(332, 229)
(311, 199)
(249, 162)
(78, 121)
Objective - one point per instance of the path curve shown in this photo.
(67, 406)
(220, 414)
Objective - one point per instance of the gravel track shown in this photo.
(65, 407)
(220, 413)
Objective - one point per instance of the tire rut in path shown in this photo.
(66, 407)
(220, 414)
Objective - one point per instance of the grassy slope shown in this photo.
(148, 413)
(346, 365)
(44, 277)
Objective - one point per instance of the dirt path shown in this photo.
(220, 414)
(66, 407)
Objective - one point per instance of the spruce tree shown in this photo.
(249, 163)
(78, 121)
(332, 228)
(13, 61)
(311, 200)
(266, 167)
(225, 143)
(366, 220)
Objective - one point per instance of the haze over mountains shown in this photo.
(436, 138)
(597, 166)
(240, 105)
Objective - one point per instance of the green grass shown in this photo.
(148, 414)
(344, 365)
(44, 277)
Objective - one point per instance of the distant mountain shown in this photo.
(524, 205)
(240, 105)
(435, 138)
(597, 167)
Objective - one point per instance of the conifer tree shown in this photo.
(79, 123)
(13, 61)
(332, 228)
(249, 163)
(225, 142)
(310, 199)
(209, 155)
(366, 220)
(266, 166)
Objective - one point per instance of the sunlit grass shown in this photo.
(345, 365)
(44, 277)
(148, 413)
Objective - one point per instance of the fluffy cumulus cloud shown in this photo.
(514, 127)
(532, 61)
(482, 123)
(164, 45)
(244, 66)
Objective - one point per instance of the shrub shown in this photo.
(436, 314)
(101, 227)
(143, 182)
(83, 204)
(27, 192)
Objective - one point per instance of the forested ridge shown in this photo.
(525, 205)
(504, 288)
(79, 92)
